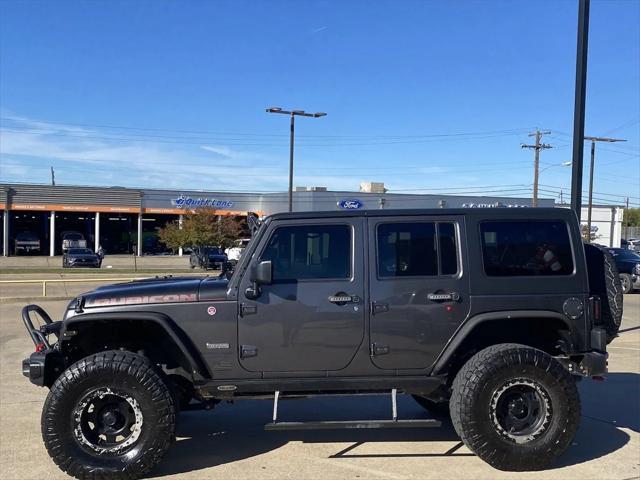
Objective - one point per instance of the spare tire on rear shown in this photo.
(604, 281)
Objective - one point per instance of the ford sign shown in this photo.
(350, 204)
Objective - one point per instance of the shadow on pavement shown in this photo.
(235, 432)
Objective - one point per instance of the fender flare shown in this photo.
(467, 327)
(199, 369)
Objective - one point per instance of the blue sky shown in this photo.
(422, 95)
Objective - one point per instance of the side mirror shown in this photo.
(263, 273)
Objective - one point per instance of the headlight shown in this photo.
(636, 269)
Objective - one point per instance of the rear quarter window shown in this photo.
(526, 248)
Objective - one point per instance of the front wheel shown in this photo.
(108, 416)
(515, 407)
(627, 282)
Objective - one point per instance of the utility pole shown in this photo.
(579, 103)
(593, 157)
(293, 114)
(536, 164)
(626, 224)
(53, 177)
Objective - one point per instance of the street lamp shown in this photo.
(593, 157)
(293, 114)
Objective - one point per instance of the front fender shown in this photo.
(198, 367)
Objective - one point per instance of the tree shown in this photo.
(631, 217)
(201, 228)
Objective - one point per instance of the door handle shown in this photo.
(444, 297)
(343, 298)
(379, 307)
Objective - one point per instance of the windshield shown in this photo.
(73, 236)
(80, 251)
(26, 236)
(211, 250)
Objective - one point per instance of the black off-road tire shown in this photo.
(604, 281)
(474, 406)
(125, 373)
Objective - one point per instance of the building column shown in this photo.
(180, 218)
(96, 233)
(52, 234)
(5, 232)
(139, 243)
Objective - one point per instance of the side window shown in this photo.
(411, 249)
(309, 252)
(526, 248)
(448, 248)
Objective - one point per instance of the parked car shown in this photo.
(628, 264)
(234, 253)
(634, 244)
(489, 314)
(207, 257)
(72, 239)
(81, 257)
(26, 242)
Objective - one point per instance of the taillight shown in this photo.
(40, 347)
(597, 310)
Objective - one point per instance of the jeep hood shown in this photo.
(157, 290)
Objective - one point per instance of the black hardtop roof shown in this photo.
(498, 212)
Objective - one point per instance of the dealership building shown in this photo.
(116, 217)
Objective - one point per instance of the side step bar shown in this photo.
(350, 424)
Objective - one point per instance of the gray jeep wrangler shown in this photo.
(487, 315)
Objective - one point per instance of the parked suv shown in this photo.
(26, 242)
(207, 257)
(72, 240)
(234, 253)
(628, 265)
(489, 314)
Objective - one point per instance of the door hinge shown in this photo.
(377, 349)
(248, 309)
(247, 351)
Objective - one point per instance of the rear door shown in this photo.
(418, 288)
(312, 317)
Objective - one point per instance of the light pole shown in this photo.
(293, 114)
(593, 157)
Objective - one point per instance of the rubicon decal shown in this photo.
(141, 299)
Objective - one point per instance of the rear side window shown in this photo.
(310, 252)
(526, 248)
(416, 249)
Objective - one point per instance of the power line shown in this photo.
(197, 132)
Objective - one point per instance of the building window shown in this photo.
(519, 248)
(417, 249)
(310, 252)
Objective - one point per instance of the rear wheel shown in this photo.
(108, 416)
(515, 407)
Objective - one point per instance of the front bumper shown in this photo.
(44, 365)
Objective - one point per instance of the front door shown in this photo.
(419, 289)
(311, 318)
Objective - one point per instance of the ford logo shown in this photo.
(350, 204)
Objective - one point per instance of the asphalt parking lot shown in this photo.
(230, 441)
